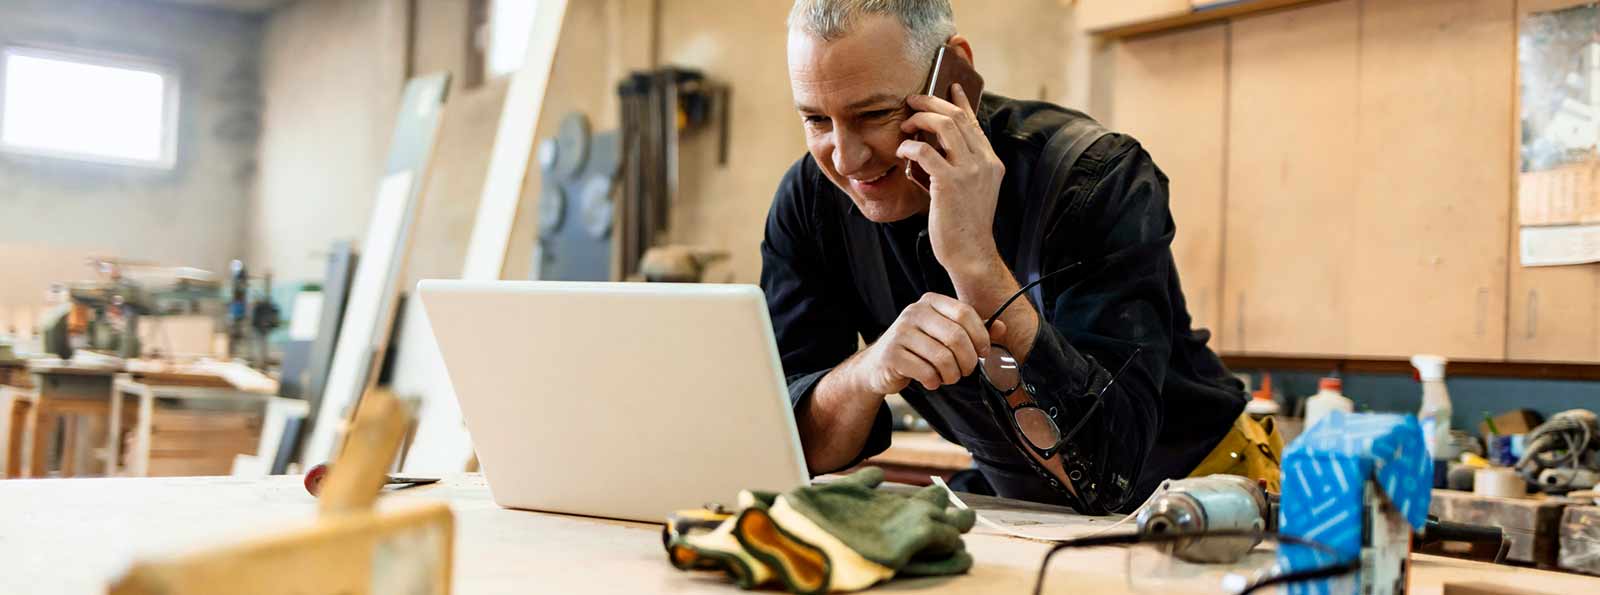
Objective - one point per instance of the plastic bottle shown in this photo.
(1262, 404)
(1435, 411)
(1329, 397)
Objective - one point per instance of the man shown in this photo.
(853, 247)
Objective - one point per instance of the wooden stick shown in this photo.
(356, 478)
(351, 549)
(403, 552)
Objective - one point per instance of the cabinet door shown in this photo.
(1171, 94)
(1426, 272)
(1554, 311)
(1291, 177)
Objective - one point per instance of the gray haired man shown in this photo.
(855, 248)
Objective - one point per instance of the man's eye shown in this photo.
(816, 120)
(878, 114)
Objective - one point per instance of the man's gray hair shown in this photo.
(929, 23)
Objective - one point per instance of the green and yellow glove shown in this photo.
(841, 536)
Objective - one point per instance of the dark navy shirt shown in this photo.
(831, 275)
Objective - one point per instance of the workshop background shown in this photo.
(1349, 180)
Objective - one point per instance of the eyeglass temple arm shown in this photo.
(990, 322)
(1100, 397)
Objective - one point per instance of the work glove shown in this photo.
(841, 536)
(703, 539)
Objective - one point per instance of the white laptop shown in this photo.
(617, 400)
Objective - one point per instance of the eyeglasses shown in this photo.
(1151, 565)
(999, 370)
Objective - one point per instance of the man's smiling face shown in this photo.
(850, 94)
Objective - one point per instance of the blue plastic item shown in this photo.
(1326, 473)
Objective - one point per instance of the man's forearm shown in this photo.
(835, 421)
(986, 286)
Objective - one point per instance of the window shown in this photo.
(510, 24)
(88, 107)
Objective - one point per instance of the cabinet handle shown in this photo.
(1238, 324)
(1533, 314)
(1483, 310)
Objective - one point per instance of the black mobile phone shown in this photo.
(948, 67)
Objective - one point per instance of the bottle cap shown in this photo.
(1330, 384)
(1429, 367)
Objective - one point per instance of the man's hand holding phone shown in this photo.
(964, 179)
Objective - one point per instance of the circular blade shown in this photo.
(574, 140)
(549, 153)
(595, 199)
(552, 207)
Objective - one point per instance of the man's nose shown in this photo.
(850, 153)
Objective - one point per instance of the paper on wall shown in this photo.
(1560, 245)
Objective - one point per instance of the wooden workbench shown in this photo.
(74, 535)
(914, 456)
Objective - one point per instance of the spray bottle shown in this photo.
(1435, 411)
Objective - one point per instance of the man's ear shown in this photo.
(963, 46)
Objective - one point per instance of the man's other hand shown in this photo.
(934, 342)
(964, 175)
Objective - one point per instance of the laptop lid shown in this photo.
(618, 400)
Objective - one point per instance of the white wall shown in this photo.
(193, 215)
(332, 73)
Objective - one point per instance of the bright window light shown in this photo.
(90, 108)
(510, 24)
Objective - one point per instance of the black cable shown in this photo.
(1331, 570)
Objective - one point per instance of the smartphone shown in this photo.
(948, 67)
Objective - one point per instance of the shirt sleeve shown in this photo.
(809, 308)
(1113, 308)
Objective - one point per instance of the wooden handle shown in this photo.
(362, 469)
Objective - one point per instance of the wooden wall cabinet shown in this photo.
(1343, 176)
(1427, 270)
(1554, 312)
(1291, 181)
(1172, 96)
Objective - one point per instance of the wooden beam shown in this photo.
(402, 552)
(1458, 368)
(513, 147)
(351, 549)
(1200, 13)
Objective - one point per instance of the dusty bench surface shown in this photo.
(76, 535)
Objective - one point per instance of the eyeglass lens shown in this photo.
(1040, 430)
(1000, 369)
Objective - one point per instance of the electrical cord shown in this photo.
(1561, 442)
(1331, 570)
